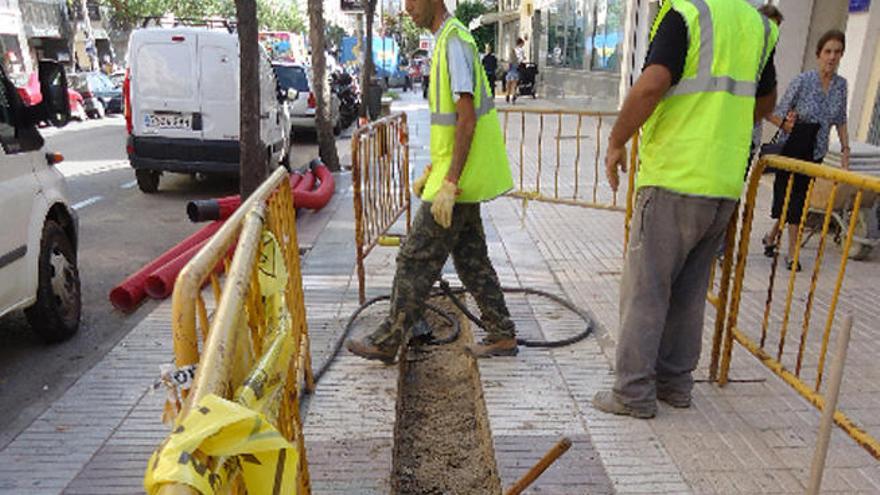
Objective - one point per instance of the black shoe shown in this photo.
(789, 263)
(769, 247)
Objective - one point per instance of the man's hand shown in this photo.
(615, 157)
(418, 185)
(444, 201)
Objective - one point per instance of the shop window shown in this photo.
(606, 43)
(567, 27)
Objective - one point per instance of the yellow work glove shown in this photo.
(418, 185)
(444, 201)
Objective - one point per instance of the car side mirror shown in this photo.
(292, 94)
(55, 107)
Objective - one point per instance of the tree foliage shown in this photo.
(404, 30)
(272, 15)
(470, 10)
(333, 35)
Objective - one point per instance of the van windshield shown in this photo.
(292, 77)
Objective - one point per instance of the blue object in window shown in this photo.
(859, 5)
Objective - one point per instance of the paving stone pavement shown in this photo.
(754, 436)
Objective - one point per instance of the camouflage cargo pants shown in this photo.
(420, 261)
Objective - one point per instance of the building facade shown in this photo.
(13, 44)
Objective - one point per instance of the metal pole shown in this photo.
(826, 423)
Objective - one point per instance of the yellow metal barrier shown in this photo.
(380, 178)
(563, 162)
(797, 370)
(253, 363)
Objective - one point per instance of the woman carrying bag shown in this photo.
(814, 101)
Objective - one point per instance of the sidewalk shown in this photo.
(754, 436)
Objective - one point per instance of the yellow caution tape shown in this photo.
(217, 428)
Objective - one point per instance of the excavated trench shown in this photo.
(442, 440)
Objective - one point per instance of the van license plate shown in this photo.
(168, 121)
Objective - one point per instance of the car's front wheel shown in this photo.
(56, 314)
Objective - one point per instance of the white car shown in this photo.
(38, 268)
(297, 77)
(183, 93)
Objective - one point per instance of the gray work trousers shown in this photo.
(663, 292)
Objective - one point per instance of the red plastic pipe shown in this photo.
(307, 182)
(160, 283)
(127, 295)
(318, 198)
(201, 210)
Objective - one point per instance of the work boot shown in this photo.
(606, 402)
(366, 349)
(493, 347)
(680, 400)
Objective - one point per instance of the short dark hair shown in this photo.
(833, 34)
(771, 12)
(520, 41)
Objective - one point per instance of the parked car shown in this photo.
(100, 95)
(183, 100)
(77, 105)
(38, 260)
(297, 78)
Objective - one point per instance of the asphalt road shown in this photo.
(121, 229)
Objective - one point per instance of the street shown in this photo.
(121, 229)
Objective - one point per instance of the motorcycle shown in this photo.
(346, 89)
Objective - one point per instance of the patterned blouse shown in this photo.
(806, 97)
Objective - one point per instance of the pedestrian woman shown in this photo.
(815, 97)
(517, 58)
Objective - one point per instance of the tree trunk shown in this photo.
(323, 117)
(253, 161)
(367, 75)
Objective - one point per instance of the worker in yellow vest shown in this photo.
(468, 166)
(708, 77)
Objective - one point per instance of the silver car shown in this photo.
(297, 77)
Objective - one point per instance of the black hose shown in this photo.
(450, 292)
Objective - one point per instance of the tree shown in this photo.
(367, 73)
(326, 139)
(254, 159)
(470, 10)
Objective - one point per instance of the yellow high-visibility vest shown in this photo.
(486, 174)
(697, 140)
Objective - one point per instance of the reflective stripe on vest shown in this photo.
(486, 173)
(696, 141)
(705, 81)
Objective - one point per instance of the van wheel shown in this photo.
(56, 314)
(148, 180)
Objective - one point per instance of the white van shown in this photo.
(183, 104)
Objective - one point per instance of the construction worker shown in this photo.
(709, 75)
(468, 166)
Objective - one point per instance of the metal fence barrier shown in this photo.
(562, 162)
(380, 178)
(767, 333)
(235, 396)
